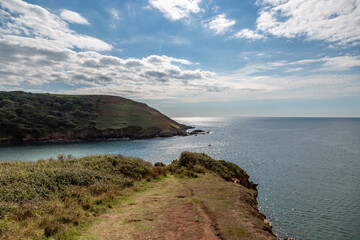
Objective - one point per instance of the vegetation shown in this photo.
(202, 207)
(23, 114)
(48, 198)
(192, 164)
(34, 117)
(57, 197)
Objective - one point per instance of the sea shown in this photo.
(308, 169)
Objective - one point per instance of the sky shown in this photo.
(189, 57)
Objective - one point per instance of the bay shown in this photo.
(308, 169)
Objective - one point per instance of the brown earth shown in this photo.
(207, 207)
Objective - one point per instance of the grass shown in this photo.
(57, 198)
(196, 201)
(238, 232)
(52, 198)
(183, 208)
(114, 115)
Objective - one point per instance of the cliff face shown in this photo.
(26, 117)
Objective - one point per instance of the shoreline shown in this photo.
(97, 135)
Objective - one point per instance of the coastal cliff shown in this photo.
(115, 197)
(29, 117)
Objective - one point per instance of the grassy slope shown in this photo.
(63, 199)
(32, 117)
(115, 112)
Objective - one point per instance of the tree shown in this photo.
(51, 120)
(6, 103)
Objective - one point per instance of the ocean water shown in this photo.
(308, 169)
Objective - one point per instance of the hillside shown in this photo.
(49, 117)
(116, 197)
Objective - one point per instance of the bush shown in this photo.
(159, 164)
(6, 102)
(48, 113)
(158, 171)
(191, 163)
(54, 195)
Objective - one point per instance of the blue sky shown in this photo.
(189, 57)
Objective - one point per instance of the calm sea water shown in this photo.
(308, 169)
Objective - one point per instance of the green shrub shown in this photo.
(191, 163)
(45, 112)
(199, 169)
(159, 164)
(54, 195)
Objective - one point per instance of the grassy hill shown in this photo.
(116, 197)
(50, 117)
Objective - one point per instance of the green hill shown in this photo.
(50, 117)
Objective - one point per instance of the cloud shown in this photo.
(164, 77)
(341, 63)
(220, 24)
(179, 40)
(38, 62)
(249, 34)
(73, 17)
(20, 19)
(332, 21)
(38, 48)
(257, 81)
(176, 9)
(114, 13)
(337, 65)
(328, 64)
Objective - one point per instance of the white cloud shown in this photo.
(37, 47)
(40, 61)
(23, 19)
(249, 34)
(341, 62)
(328, 20)
(114, 13)
(219, 24)
(73, 17)
(329, 64)
(179, 40)
(254, 82)
(176, 9)
(294, 69)
(324, 65)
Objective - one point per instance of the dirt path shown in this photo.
(183, 209)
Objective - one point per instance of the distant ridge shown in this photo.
(30, 117)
